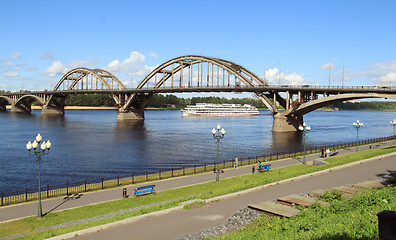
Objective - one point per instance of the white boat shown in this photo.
(209, 109)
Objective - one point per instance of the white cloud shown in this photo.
(271, 74)
(15, 56)
(327, 66)
(48, 55)
(294, 79)
(389, 77)
(382, 67)
(141, 70)
(272, 77)
(11, 74)
(127, 65)
(379, 72)
(57, 68)
(153, 55)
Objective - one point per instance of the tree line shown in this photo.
(164, 101)
(373, 105)
(156, 101)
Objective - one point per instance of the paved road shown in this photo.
(30, 209)
(181, 222)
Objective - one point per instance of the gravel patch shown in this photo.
(243, 217)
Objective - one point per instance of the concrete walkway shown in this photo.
(12, 212)
(180, 222)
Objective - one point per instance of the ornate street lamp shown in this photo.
(394, 125)
(357, 125)
(305, 129)
(38, 152)
(218, 135)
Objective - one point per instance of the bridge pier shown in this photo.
(52, 110)
(21, 108)
(130, 114)
(286, 123)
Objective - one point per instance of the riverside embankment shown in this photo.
(229, 184)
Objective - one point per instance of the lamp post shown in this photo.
(357, 125)
(305, 129)
(218, 135)
(38, 152)
(394, 125)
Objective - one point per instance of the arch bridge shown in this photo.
(191, 74)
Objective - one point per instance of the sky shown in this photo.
(303, 41)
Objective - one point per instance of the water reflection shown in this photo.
(93, 144)
(287, 141)
(130, 125)
(126, 130)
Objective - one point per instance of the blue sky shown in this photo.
(42, 40)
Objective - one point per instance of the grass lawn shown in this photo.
(202, 191)
(353, 218)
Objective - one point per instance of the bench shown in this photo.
(264, 168)
(333, 154)
(144, 190)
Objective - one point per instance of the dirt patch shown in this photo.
(195, 205)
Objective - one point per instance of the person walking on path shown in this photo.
(236, 162)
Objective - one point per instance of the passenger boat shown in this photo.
(209, 109)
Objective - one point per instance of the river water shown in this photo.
(91, 144)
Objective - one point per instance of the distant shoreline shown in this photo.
(74, 108)
(116, 108)
(89, 108)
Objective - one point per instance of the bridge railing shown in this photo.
(214, 87)
(76, 188)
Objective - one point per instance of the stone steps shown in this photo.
(285, 206)
(272, 208)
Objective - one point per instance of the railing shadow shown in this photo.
(65, 200)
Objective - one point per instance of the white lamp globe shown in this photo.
(48, 144)
(34, 144)
(43, 146)
(29, 146)
(39, 138)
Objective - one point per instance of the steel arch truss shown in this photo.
(89, 79)
(321, 102)
(199, 72)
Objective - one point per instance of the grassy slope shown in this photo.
(345, 219)
(204, 191)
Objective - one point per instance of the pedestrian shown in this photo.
(259, 168)
(328, 152)
(236, 162)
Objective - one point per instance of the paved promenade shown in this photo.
(181, 222)
(30, 209)
(219, 212)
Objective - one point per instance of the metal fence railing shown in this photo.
(50, 191)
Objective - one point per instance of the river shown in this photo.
(91, 144)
